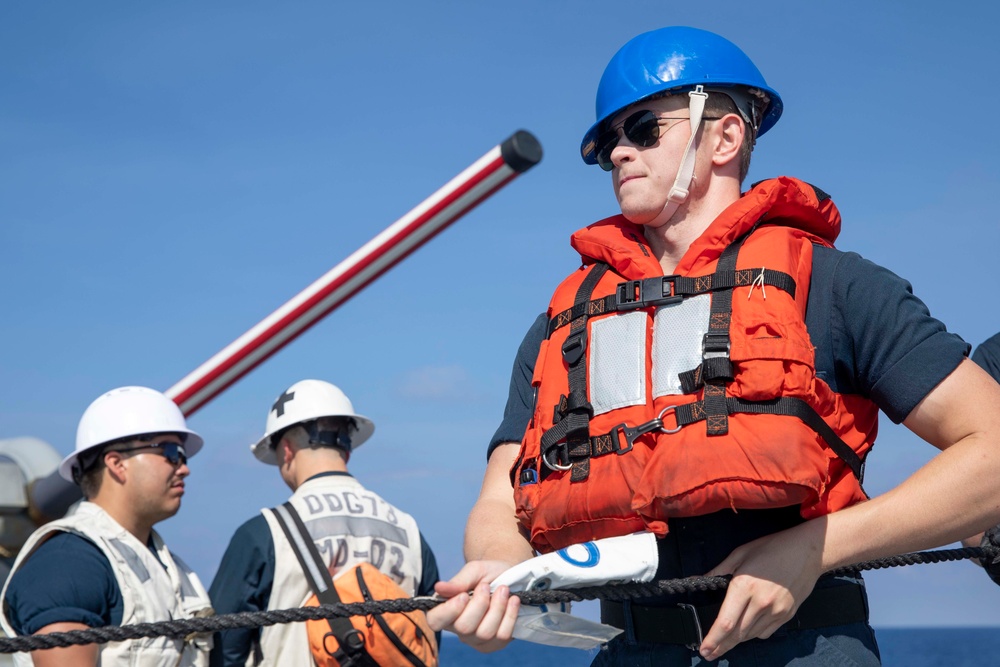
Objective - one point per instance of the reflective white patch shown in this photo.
(132, 558)
(678, 330)
(617, 372)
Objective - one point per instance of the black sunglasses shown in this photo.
(173, 452)
(642, 129)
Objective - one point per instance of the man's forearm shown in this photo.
(492, 531)
(947, 500)
(951, 497)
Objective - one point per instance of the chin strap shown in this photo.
(680, 190)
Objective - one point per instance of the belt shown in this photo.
(684, 623)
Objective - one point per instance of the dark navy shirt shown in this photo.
(67, 579)
(245, 577)
(987, 355)
(873, 337)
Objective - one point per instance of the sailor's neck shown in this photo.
(671, 240)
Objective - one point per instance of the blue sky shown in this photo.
(170, 173)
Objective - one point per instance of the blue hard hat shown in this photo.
(677, 59)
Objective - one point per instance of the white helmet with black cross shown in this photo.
(305, 401)
(123, 413)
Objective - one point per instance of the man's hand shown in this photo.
(493, 544)
(483, 621)
(771, 578)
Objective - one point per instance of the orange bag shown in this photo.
(387, 640)
(378, 640)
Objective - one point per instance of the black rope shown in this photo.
(181, 628)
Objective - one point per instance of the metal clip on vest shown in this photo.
(562, 451)
(632, 433)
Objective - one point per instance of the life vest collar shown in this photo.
(622, 245)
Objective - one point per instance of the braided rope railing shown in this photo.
(181, 628)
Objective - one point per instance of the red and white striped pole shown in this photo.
(502, 164)
(52, 495)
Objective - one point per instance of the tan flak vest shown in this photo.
(150, 591)
(349, 525)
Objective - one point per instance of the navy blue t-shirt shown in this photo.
(246, 575)
(873, 337)
(987, 355)
(66, 580)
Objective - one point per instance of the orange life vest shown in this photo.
(675, 396)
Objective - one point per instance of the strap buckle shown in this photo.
(350, 648)
(630, 295)
(715, 345)
(668, 289)
(634, 294)
(574, 346)
(696, 625)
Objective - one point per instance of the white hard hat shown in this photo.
(125, 412)
(304, 401)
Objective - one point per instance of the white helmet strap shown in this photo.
(682, 183)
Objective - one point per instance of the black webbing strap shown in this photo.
(350, 649)
(716, 366)
(570, 432)
(618, 440)
(389, 632)
(786, 406)
(690, 413)
(664, 290)
(720, 365)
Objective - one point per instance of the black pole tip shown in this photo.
(521, 151)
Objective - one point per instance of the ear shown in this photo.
(728, 134)
(116, 466)
(286, 451)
